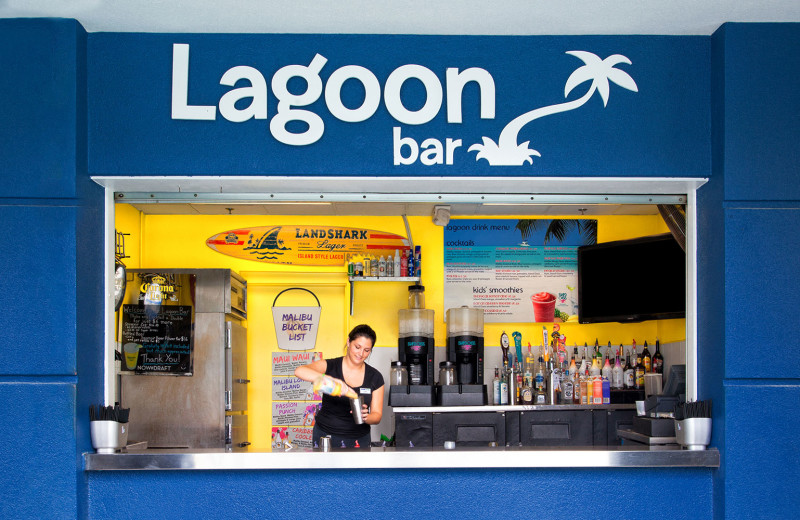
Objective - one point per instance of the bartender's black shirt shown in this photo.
(334, 417)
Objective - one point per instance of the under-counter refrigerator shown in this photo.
(183, 349)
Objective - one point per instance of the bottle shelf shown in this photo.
(384, 278)
(406, 279)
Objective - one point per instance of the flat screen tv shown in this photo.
(632, 280)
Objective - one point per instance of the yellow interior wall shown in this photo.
(178, 241)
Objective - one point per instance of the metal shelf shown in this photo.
(406, 279)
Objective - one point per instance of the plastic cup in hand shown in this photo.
(544, 307)
(355, 407)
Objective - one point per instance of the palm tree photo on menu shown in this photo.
(558, 229)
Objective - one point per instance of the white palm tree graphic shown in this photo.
(506, 152)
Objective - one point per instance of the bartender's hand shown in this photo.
(364, 412)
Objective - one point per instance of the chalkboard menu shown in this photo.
(157, 339)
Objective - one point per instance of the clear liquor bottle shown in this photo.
(496, 386)
(567, 385)
(606, 372)
(617, 373)
(504, 385)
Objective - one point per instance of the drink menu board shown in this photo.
(294, 403)
(516, 270)
(157, 339)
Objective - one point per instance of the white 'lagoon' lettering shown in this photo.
(288, 102)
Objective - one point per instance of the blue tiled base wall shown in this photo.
(389, 494)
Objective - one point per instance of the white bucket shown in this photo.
(296, 327)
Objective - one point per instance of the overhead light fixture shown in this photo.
(295, 203)
(262, 203)
(441, 215)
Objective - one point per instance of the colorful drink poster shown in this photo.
(286, 437)
(292, 389)
(522, 270)
(284, 363)
(294, 413)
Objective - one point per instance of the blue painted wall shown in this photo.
(733, 114)
(758, 159)
(41, 141)
(393, 494)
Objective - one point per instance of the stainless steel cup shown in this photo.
(652, 384)
(325, 443)
(355, 407)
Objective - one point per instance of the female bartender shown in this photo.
(335, 418)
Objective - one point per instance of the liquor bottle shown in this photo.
(628, 372)
(584, 363)
(596, 368)
(639, 372)
(583, 370)
(597, 353)
(496, 386)
(504, 385)
(606, 391)
(573, 370)
(539, 377)
(647, 359)
(586, 389)
(519, 375)
(658, 360)
(529, 367)
(526, 392)
(374, 267)
(608, 355)
(553, 382)
(382, 267)
(389, 266)
(606, 372)
(567, 386)
(397, 272)
(576, 386)
(540, 397)
(597, 390)
(617, 372)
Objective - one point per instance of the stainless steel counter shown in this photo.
(511, 408)
(391, 458)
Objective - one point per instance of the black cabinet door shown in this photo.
(469, 428)
(618, 419)
(413, 430)
(556, 428)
